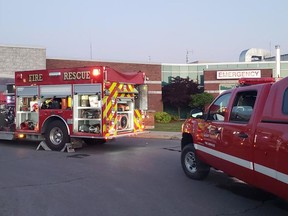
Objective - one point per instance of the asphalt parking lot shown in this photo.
(127, 176)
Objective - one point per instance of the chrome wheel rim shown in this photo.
(190, 162)
(56, 136)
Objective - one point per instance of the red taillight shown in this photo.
(19, 76)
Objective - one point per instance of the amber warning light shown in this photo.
(21, 136)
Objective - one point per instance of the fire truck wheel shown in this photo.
(192, 166)
(56, 136)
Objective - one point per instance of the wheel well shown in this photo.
(51, 119)
(186, 139)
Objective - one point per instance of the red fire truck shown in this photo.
(90, 104)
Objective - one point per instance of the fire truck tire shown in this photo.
(3, 122)
(192, 166)
(56, 135)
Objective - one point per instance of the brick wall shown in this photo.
(149, 120)
(211, 83)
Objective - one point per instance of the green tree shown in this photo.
(201, 100)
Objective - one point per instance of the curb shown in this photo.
(161, 135)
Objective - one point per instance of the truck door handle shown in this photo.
(243, 135)
(215, 131)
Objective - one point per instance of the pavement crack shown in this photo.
(78, 155)
(176, 149)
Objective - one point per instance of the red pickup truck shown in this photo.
(244, 133)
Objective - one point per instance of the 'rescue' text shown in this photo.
(79, 75)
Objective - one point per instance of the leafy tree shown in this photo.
(201, 100)
(178, 92)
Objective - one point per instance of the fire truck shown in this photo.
(59, 106)
(243, 133)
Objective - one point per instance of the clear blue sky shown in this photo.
(159, 31)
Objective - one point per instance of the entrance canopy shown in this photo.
(125, 77)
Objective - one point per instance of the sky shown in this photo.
(150, 31)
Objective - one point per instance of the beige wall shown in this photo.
(17, 58)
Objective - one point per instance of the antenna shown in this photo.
(187, 55)
(91, 50)
(270, 49)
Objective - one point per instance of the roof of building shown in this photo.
(254, 54)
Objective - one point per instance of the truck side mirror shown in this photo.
(196, 113)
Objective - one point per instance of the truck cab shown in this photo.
(238, 136)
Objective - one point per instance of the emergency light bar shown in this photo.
(254, 81)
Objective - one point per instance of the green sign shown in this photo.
(224, 87)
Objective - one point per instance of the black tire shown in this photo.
(3, 122)
(192, 166)
(56, 135)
